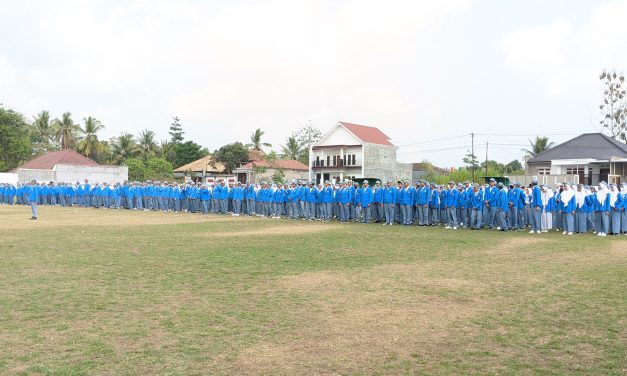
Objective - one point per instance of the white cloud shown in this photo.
(224, 68)
(568, 58)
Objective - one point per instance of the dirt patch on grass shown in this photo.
(18, 218)
(355, 322)
(285, 229)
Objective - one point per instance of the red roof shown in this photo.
(288, 164)
(368, 134)
(50, 159)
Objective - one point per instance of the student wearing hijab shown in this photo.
(581, 208)
(567, 199)
(615, 206)
(548, 206)
(623, 209)
(603, 209)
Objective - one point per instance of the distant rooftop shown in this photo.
(586, 146)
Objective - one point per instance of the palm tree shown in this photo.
(539, 145)
(89, 145)
(255, 141)
(65, 131)
(43, 128)
(123, 147)
(292, 148)
(166, 151)
(147, 144)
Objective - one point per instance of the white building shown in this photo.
(350, 151)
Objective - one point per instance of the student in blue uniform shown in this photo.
(603, 208)
(502, 207)
(615, 207)
(434, 205)
(623, 208)
(33, 198)
(477, 202)
(451, 205)
(377, 203)
(365, 201)
(389, 203)
(422, 203)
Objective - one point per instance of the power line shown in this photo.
(436, 140)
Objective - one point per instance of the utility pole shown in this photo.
(472, 138)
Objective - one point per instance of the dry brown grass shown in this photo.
(357, 320)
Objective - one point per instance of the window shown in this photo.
(317, 160)
(334, 160)
(575, 171)
(328, 160)
(353, 163)
(544, 171)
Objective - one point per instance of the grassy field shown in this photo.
(85, 291)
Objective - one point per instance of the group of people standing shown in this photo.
(567, 208)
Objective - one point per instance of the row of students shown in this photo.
(571, 209)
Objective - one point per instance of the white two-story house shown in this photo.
(350, 151)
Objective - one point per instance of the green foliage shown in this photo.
(66, 132)
(147, 144)
(187, 152)
(471, 162)
(176, 130)
(614, 105)
(462, 174)
(513, 166)
(232, 155)
(306, 136)
(15, 143)
(255, 140)
(292, 149)
(123, 147)
(136, 169)
(89, 145)
(158, 168)
(279, 176)
(42, 134)
(537, 146)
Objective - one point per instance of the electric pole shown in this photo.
(486, 158)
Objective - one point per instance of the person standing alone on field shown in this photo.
(33, 197)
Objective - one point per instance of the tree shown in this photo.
(255, 140)
(539, 145)
(231, 156)
(187, 152)
(123, 147)
(513, 166)
(292, 148)
(166, 151)
(42, 133)
(496, 167)
(65, 131)
(147, 144)
(176, 131)
(136, 169)
(471, 162)
(614, 105)
(307, 136)
(158, 168)
(89, 145)
(15, 144)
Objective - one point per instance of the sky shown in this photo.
(427, 73)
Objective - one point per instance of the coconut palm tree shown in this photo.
(123, 147)
(539, 145)
(43, 127)
(255, 140)
(65, 131)
(292, 148)
(89, 145)
(147, 144)
(166, 151)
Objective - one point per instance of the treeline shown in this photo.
(147, 158)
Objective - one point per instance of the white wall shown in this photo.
(73, 174)
(339, 136)
(7, 177)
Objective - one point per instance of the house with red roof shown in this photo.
(348, 151)
(68, 166)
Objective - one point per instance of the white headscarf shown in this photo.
(567, 194)
(580, 196)
(602, 193)
(613, 195)
(547, 194)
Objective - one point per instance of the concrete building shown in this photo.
(263, 170)
(589, 159)
(67, 166)
(350, 151)
(420, 170)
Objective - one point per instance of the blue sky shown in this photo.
(419, 70)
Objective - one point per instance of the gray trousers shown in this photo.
(389, 213)
(452, 216)
(367, 212)
(475, 219)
